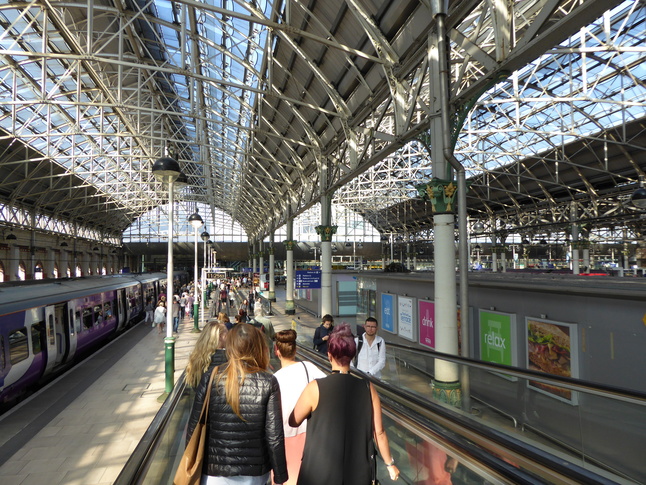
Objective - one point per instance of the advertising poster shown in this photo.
(388, 313)
(426, 312)
(405, 316)
(552, 348)
(497, 337)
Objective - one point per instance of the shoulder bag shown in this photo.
(189, 471)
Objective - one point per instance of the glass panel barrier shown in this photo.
(596, 427)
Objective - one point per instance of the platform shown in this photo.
(82, 427)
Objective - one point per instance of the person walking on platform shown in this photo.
(160, 317)
(176, 314)
(223, 299)
(322, 334)
(292, 377)
(190, 300)
(371, 350)
(344, 417)
(244, 432)
(182, 306)
(208, 352)
(150, 310)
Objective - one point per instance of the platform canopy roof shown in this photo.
(268, 104)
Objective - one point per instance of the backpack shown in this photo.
(359, 345)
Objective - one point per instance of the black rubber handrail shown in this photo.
(463, 433)
(138, 462)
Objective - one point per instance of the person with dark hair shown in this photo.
(322, 334)
(244, 437)
(344, 417)
(371, 350)
(292, 377)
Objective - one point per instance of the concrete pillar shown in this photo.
(50, 262)
(14, 263)
(272, 270)
(290, 307)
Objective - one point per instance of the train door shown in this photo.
(62, 327)
(74, 327)
(50, 338)
(121, 308)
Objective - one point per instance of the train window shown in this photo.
(107, 309)
(77, 321)
(98, 314)
(87, 318)
(18, 346)
(36, 332)
(51, 331)
(2, 359)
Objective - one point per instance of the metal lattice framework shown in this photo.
(269, 104)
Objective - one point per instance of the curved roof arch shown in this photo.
(256, 99)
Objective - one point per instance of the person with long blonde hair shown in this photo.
(208, 352)
(245, 436)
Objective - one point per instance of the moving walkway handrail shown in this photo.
(467, 437)
(138, 462)
(599, 389)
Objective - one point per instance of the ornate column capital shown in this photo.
(441, 193)
(326, 232)
(581, 244)
(289, 244)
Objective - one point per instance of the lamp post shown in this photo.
(196, 221)
(205, 238)
(167, 170)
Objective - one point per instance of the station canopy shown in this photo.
(269, 104)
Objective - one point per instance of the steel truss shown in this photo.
(263, 102)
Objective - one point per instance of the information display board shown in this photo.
(307, 279)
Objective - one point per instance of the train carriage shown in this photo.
(45, 326)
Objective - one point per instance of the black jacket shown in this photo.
(319, 344)
(235, 447)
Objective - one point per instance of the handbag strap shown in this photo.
(307, 374)
(205, 405)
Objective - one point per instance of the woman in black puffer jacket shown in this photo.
(245, 427)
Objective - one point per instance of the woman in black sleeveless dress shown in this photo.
(344, 415)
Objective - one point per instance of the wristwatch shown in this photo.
(392, 462)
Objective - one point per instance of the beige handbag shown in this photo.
(189, 471)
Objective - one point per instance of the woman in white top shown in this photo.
(292, 378)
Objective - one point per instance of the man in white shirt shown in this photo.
(371, 350)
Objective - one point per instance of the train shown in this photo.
(47, 326)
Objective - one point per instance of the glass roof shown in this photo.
(255, 98)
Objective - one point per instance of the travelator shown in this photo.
(552, 430)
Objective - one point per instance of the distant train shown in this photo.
(45, 326)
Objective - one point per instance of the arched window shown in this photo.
(38, 272)
(22, 272)
(68, 273)
(79, 271)
(2, 275)
(56, 272)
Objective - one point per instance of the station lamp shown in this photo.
(167, 170)
(196, 221)
(638, 198)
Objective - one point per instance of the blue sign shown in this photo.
(388, 312)
(306, 279)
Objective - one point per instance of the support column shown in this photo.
(254, 259)
(326, 233)
(442, 190)
(50, 262)
(272, 270)
(261, 265)
(290, 308)
(574, 229)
